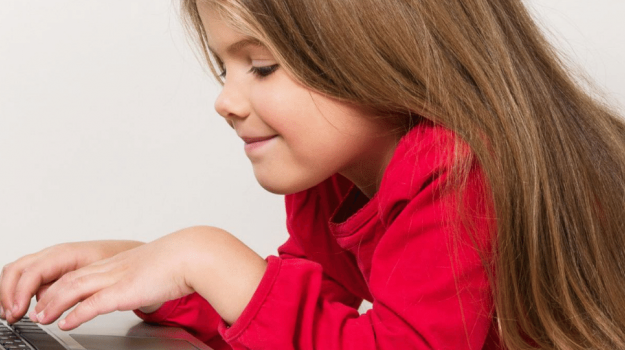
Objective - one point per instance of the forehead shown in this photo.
(222, 34)
(218, 32)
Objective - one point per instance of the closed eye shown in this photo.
(264, 71)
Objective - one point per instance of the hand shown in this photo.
(33, 274)
(203, 259)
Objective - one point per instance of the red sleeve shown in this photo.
(330, 288)
(428, 284)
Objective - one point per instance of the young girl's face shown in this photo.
(294, 137)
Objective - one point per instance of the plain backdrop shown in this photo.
(107, 127)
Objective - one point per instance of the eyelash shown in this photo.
(260, 72)
(264, 71)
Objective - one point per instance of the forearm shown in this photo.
(222, 269)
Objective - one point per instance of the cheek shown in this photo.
(284, 107)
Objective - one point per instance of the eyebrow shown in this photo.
(239, 45)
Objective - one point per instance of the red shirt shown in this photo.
(399, 250)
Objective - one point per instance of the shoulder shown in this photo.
(425, 151)
(421, 168)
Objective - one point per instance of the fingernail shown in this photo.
(1, 311)
(33, 316)
(8, 314)
(40, 316)
(62, 323)
(15, 308)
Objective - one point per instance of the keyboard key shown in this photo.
(30, 333)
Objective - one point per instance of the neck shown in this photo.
(368, 172)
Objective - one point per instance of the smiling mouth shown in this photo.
(249, 140)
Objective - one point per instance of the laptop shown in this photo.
(115, 331)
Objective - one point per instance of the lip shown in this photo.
(255, 144)
(250, 140)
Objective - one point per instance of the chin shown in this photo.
(280, 188)
(283, 184)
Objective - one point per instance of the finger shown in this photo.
(7, 280)
(49, 290)
(26, 286)
(100, 303)
(19, 281)
(72, 288)
(11, 273)
(32, 277)
(71, 284)
(42, 290)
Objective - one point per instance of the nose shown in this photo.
(231, 102)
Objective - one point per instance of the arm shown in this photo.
(204, 259)
(429, 286)
(429, 293)
(197, 316)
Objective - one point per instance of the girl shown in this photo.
(438, 161)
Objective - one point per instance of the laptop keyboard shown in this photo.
(25, 334)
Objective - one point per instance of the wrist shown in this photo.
(222, 269)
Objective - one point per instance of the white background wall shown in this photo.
(107, 128)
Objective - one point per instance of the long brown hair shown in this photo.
(553, 156)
